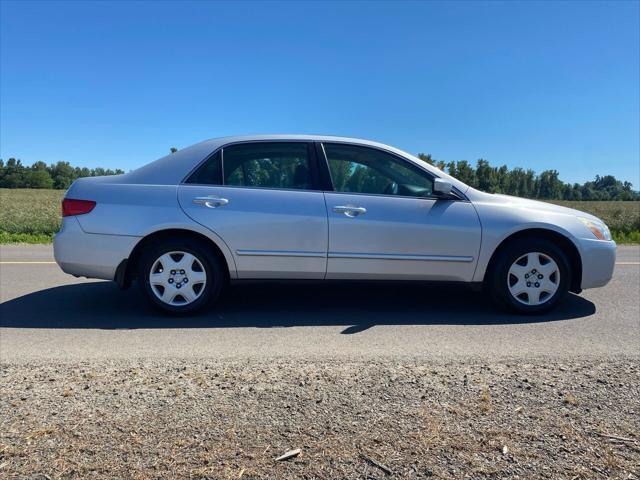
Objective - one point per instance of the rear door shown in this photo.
(262, 199)
(385, 223)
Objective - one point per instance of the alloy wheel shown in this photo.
(177, 278)
(533, 278)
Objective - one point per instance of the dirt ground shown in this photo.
(387, 419)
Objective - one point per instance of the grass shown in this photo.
(485, 400)
(33, 216)
(29, 215)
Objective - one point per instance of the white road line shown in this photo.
(53, 263)
(27, 263)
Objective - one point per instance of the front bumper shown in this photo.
(598, 262)
(87, 254)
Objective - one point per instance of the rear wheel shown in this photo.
(180, 276)
(530, 276)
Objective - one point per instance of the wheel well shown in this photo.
(566, 245)
(132, 262)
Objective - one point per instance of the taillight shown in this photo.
(71, 206)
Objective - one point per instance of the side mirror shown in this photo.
(441, 187)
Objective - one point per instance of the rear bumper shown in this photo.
(87, 254)
(598, 262)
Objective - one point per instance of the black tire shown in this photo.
(216, 276)
(499, 278)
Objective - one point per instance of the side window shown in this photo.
(268, 165)
(209, 173)
(366, 170)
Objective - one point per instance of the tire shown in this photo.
(530, 276)
(180, 276)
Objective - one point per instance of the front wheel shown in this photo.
(530, 276)
(180, 277)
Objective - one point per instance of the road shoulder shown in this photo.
(231, 419)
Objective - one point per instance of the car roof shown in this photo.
(289, 137)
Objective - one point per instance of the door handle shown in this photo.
(210, 202)
(349, 210)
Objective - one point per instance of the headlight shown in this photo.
(599, 229)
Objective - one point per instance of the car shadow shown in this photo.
(356, 306)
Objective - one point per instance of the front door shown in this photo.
(260, 198)
(385, 223)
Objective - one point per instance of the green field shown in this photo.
(29, 215)
(33, 216)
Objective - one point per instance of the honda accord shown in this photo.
(324, 208)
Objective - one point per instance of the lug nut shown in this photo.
(178, 285)
(537, 284)
(528, 284)
(181, 272)
(526, 275)
(170, 280)
(185, 280)
(534, 271)
(540, 276)
(173, 272)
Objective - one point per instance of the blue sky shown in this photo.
(533, 84)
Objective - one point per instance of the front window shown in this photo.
(356, 169)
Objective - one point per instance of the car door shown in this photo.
(261, 199)
(385, 223)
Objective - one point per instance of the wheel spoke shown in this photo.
(186, 261)
(518, 288)
(167, 262)
(533, 261)
(518, 271)
(159, 278)
(188, 294)
(548, 268)
(534, 296)
(168, 295)
(197, 277)
(548, 286)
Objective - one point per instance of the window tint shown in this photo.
(367, 170)
(268, 165)
(209, 173)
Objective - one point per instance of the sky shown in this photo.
(540, 85)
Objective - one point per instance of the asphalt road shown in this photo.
(46, 314)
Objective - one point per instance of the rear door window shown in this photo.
(282, 165)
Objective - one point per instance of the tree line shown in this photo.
(13, 174)
(518, 181)
(526, 183)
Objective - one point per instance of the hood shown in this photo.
(528, 204)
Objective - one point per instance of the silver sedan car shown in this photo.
(326, 208)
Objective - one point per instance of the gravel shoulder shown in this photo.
(351, 419)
